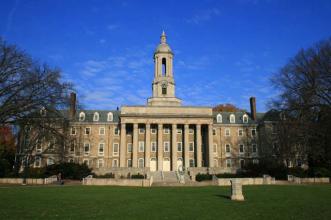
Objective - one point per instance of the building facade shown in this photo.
(162, 135)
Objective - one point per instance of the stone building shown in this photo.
(162, 135)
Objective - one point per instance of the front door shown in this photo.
(152, 164)
(166, 164)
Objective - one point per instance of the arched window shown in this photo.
(232, 118)
(219, 118)
(164, 66)
(110, 116)
(96, 116)
(82, 116)
(245, 119)
(141, 163)
(50, 161)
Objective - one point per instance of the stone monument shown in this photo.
(236, 190)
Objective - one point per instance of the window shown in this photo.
(164, 66)
(116, 131)
(86, 149)
(241, 148)
(102, 131)
(228, 163)
(166, 145)
(129, 163)
(37, 162)
(129, 146)
(179, 131)
(72, 146)
(219, 118)
(255, 161)
(71, 160)
(191, 163)
(164, 90)
(87, 131)
(110, 116)
(141, 146)
(82, 116)
(227, 148)
(153, 131)
(214, 131)
(141, 130)
(242, 163)
(86, 161)
(50, 161)
(39, 148)
(232, 118)
(100, 163)
(245, 119)
(227, 132)
(240, 132)
(96, 116)
(166, 131)
(115, 149)
(73, 131)
(215, 148)
(115, 163)
(153, 148)
(179, 146)
(191, 147)
(141, 163)
(101, 149)
(253, 132)
(254, 148)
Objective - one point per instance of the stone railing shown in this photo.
(299, 180)
(51, 179)
(29, 181)
(90, 181)
(266, 180)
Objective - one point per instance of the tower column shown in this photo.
(159, 147)
(186, 146)
(174, 147)
(135, 146)
(198, 139)
(210, 146)
(123, 145)
(147, 144)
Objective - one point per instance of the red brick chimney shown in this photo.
(72, 107)
(252, 101)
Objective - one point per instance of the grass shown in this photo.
(91, 202)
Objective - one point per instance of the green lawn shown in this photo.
(88, 202)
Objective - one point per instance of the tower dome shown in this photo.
(163, 47)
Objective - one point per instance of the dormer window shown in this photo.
(245, 119)
(110, 116)
(82, 116)
(232, 118)
(219, 118)
(96, 116)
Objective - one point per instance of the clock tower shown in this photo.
(163, 83)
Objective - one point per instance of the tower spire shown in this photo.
(163, 38)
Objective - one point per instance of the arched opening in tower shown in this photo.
(164, 67)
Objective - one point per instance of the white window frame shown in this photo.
(228, 163)
(141, 146)
(153, 142)
(129, 149)
(193, 163)
(245, 119)
(73, 131)
(227, 152)
(37, 159)
(179, 131)
(254, 152)
(219, 118)
(141, 130)
(110, 116)
(50, 161)
(96, 116)
(104, 130)
(243, 148)
(113, 163)
(118, 149)
(129, 164)
(166, 149)
(86, 153)
(189, 146)
(116, 128)
(103, 163)
(227, 134)
(143, 163)
(82, 116)
(232, 119)
(166, 130)
(242, 132)
(153, 130)
(103, 149)
(86, 128)
(253, 129)
(181, 146)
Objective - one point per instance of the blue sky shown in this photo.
(225, 51)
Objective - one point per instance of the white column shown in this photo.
(198, 136)
(174, 147)
(160, 147)
(147, 144)
(210, 146)
(123, 146)
(135, 146)
(186, 146)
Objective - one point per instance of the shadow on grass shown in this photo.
(224, 197)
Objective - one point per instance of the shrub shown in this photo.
(319, 172)
(107, 175)
(73, 171)
(137, 176)
(203, 177)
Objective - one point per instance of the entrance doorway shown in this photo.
(152, 164)
(166, 164)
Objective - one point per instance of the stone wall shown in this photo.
(117, 182)
(246, 181)
(298, 180)
(29, 181)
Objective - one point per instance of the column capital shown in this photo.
(147, 125)
(135, 125)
